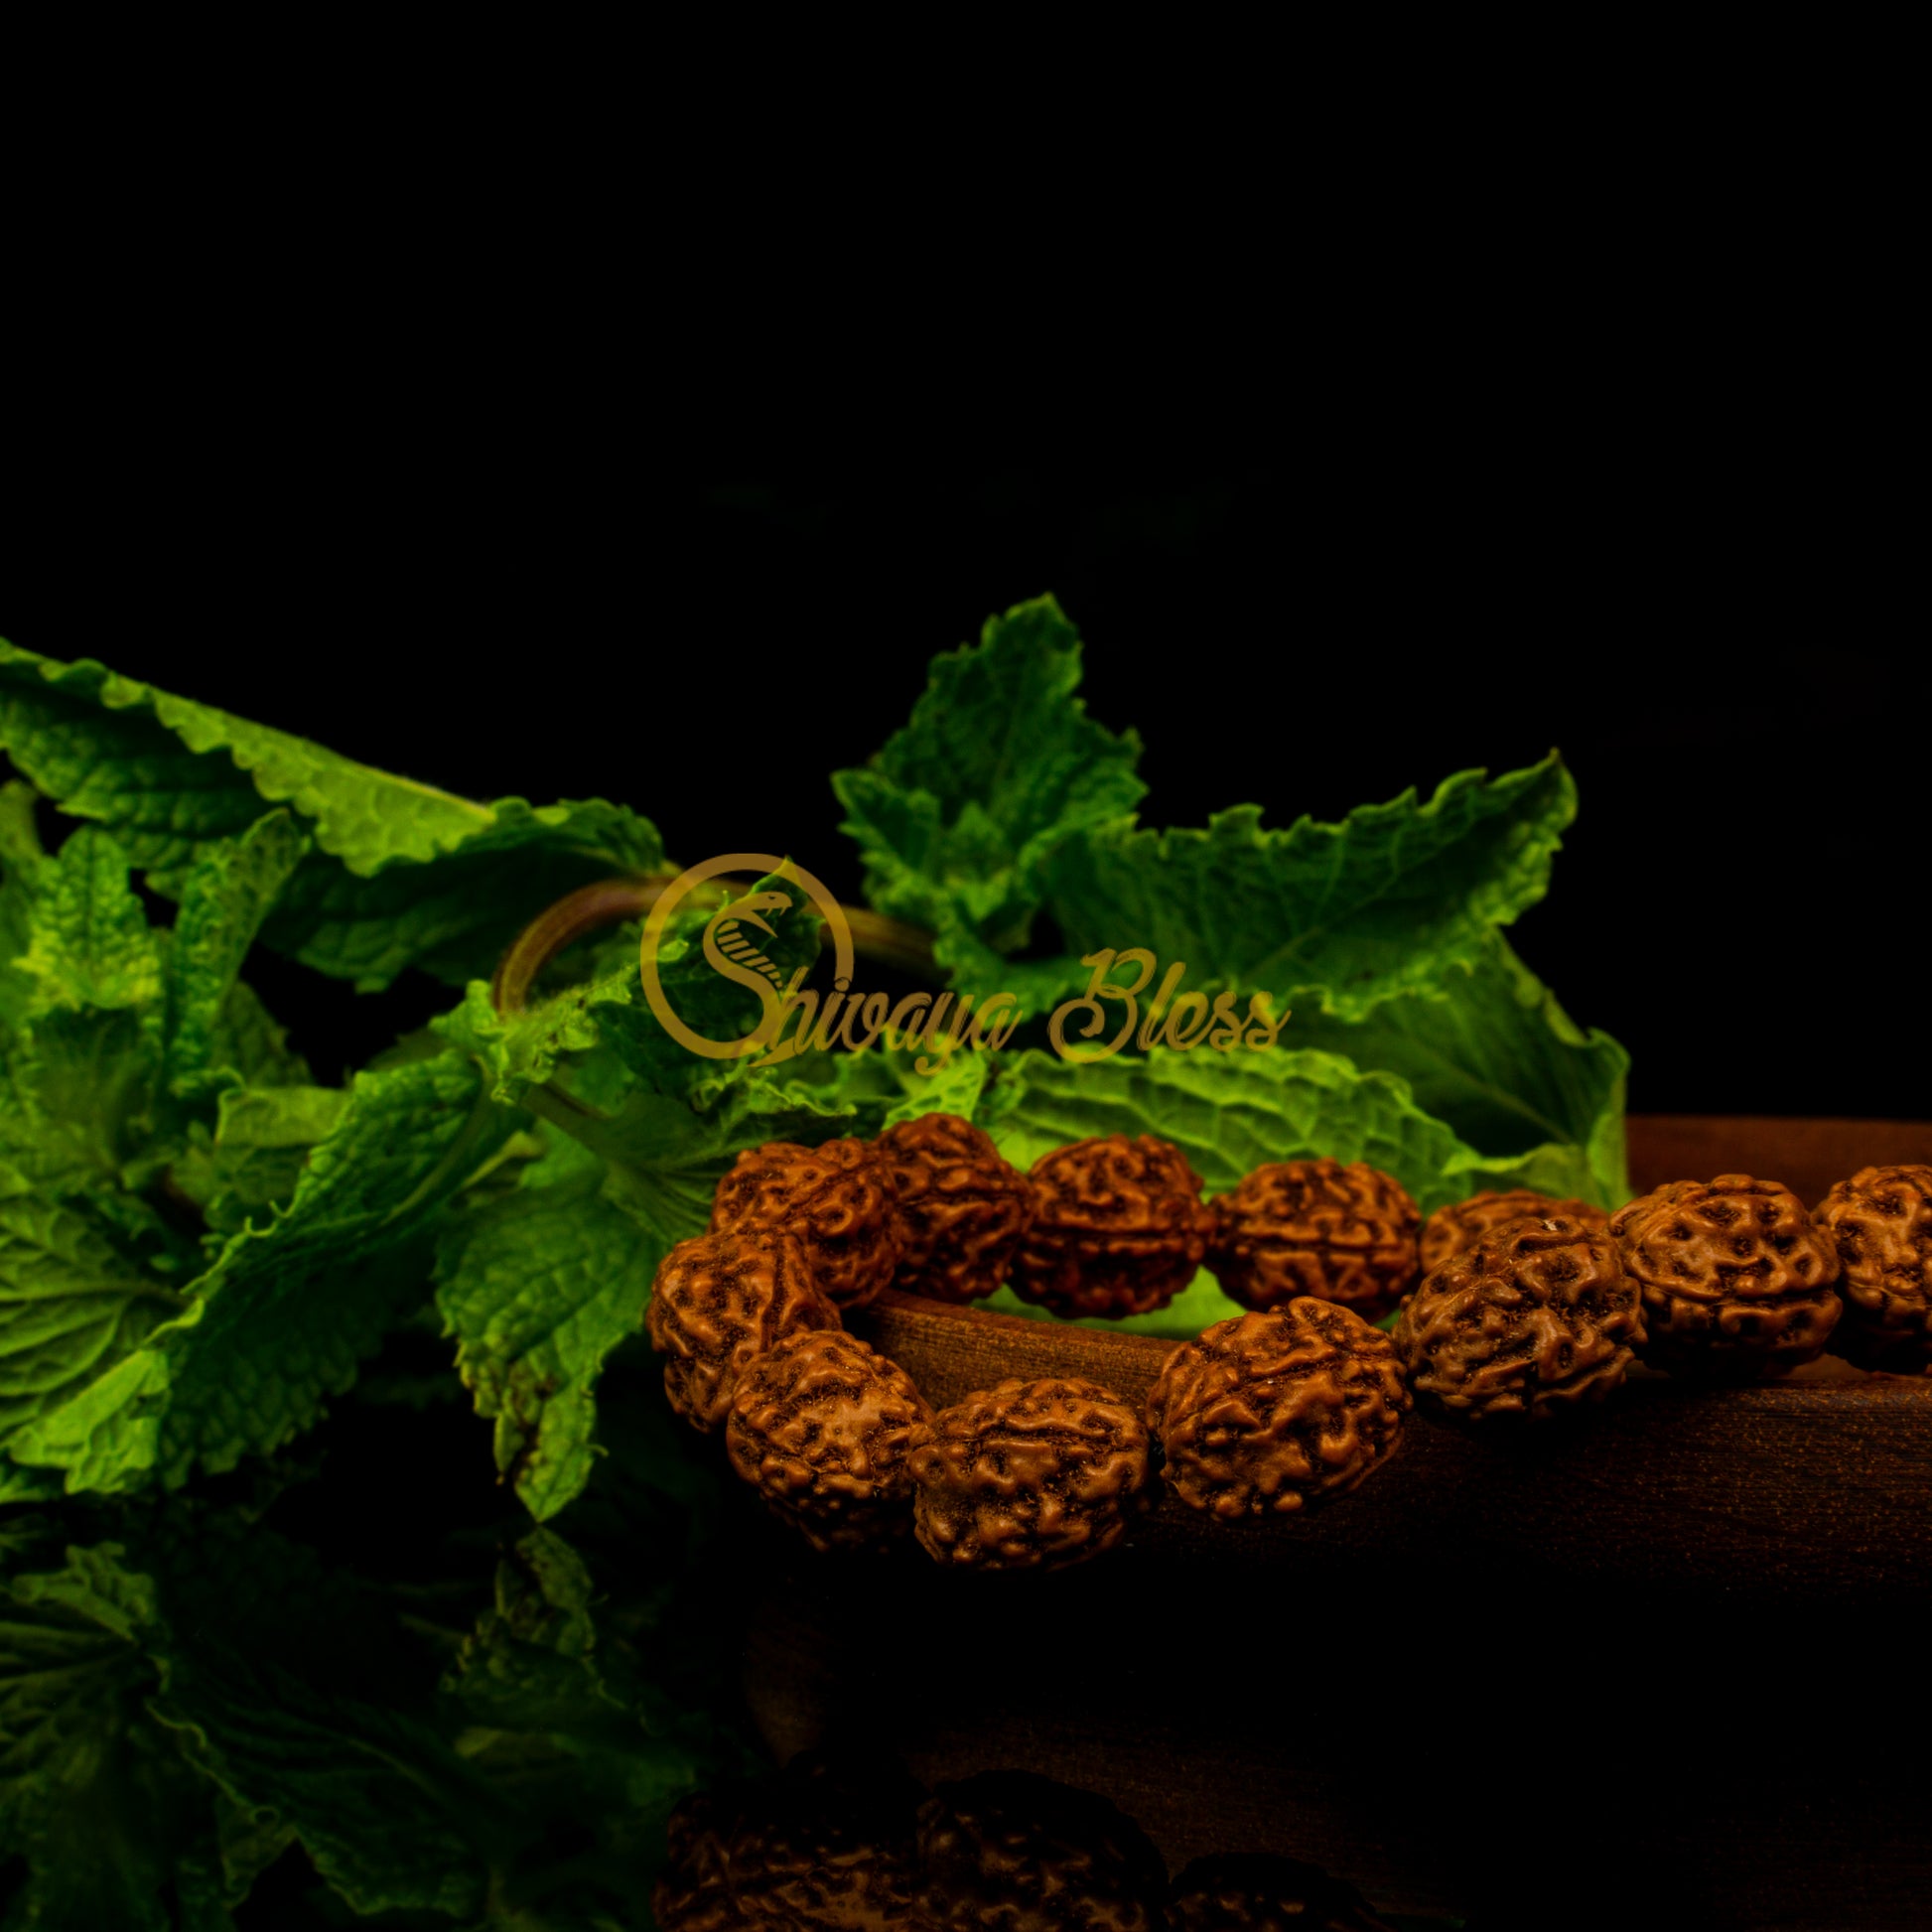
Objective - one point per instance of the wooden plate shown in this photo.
(1822, 1479)
(1655, 1669)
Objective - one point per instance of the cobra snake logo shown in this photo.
(729, 948)
(733, 952)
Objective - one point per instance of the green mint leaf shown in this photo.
(712, 991)
(539, 1285)
(248, 1038)
(70, 1306)
(452, 914)
(402, 874)
(77, 1098)
(1228, 1113)
(1354, 914)
(261, 1146)
(1491, 1053)
(84, 1052)
(885, 1086)
(20, 842)
(281, 1319)
(20, 865)
(537, 1290)
(88, 944)
(959, 812)
(113, 1015)
(225, 896)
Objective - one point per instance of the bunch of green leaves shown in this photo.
(200, 1243)
(192, 1699)
(540, 1284)
(197, 1243)
(1001, 813)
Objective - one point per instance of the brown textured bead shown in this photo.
(1277, 1411)
(1537, 1318)
(1881, 1223)
(826, 1846)
(1029, 1475)
(821, 1427)
(1256, 1892)
(1118, 1228)
(962, 1209)
(1314, 1227)
(837, 1199)
(1022, 1853)
(1464, 1223)
(718, 1301)
(1736, 1281)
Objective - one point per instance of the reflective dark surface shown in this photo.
(361, 1687)
(849, 1841)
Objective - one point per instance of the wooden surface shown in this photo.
(1821, 1481)
(1808, 1156)
(1653, 1669)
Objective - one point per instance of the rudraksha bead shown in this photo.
(1538, 1317)
(1279, 1411)
(962, 1209)
(1314, 1227)
(837, 1199)
(1118, 1228)
(1029, 1475)
(1464, 1223)
(822, 1426)
(1881, 1223)
(719, 1301)
(1736, 1280)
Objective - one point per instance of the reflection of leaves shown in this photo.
(387, 1812)
(560, 1712)
(178, 1710)
(91, 1797)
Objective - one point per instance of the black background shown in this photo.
(1720, 660)
(1714, 647)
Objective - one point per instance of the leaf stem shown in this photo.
(611, 902)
